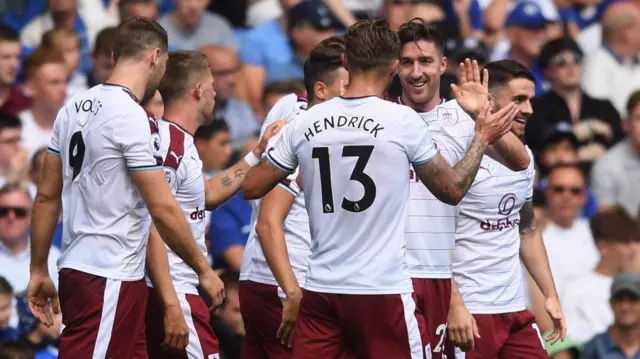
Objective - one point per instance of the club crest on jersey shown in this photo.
(154, 144)
(172, 177)
(449, 116)
(508, 201)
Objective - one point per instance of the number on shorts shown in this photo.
(75, 160)
(363, 153)
(535, 326)
(441, 330)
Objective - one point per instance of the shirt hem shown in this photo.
(100, 273)
(364, 291)
(423, 275)
(503, 310)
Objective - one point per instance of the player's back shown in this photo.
(486, 258)
(354, 159)
(101, 134)
(296, 226)
(431, 224)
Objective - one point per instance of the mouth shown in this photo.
(520, 120)
(418, 84)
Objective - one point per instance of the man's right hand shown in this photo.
(463, 329)
(492, 126)
(176, 332)
(213, 286)
(287, 328)
(40, 291)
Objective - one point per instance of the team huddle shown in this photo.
(382, 227)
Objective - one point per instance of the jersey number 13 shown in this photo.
(363, 153)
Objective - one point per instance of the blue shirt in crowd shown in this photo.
(230, 226)
(603, 347)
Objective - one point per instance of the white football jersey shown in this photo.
(431, 224)
(296, 226)
(101, 135)
(354, 157)
(486, 264)
(183, 170)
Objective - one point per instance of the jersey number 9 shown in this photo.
(76, 153)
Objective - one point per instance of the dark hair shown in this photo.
(324, 59)
(183, 69)
(283, 88)
(207, 132)
(5, 286)
(137, 35)
(633, 102)
(39, 58)
(15, 350)
(104, 41)
(503, 71)
(614, 225)
(123, 7)
(554, 47)
(8, 120)
(8, 34)
(371, 45)
(417, 29)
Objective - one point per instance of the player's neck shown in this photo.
(427, 106)
(128, 74)
(183, 115)
(43, 115)
(363, 85)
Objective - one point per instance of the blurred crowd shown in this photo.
(584, 130)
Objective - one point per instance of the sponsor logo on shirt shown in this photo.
(154, 144)
(499, 225)
(197, 214)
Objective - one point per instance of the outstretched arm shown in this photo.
(261, 179)
(510, 152)
(223, 186)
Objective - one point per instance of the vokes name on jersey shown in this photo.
(328, 123)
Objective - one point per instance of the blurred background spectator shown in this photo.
(584, 132)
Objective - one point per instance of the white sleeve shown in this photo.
(417, 139)
(532, 176)
(136, 135)
(54, 141)
(282, 154)
(290, 183)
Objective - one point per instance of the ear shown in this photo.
(344, 61)
(320, 90)
(155, 57)
(626, 125)
(443, 65)
(394, 68)
(197, 91)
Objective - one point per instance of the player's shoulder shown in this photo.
(288, 107)
(452, 113)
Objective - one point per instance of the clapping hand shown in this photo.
(472, 92)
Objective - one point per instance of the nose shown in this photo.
(526, 109)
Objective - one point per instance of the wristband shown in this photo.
(251, 159)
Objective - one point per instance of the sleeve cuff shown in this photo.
(278, 165)
(53, 152)
(144, 168)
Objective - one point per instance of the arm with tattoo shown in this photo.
(220, 188)
(533, 253)
(447, 184)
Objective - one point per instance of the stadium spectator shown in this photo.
(527, 31)
(154, 105)
(615, 177)
(566, 232)
(214, 147)
(15, 215)
(46, 79)
(12, 100)
(144, 8)
(238, 115)
(277, 90)
(276, 50)
(613, 71)
(596, 123)
(586, 299)
(67, 43)
(15, 350)
(101, 57)
(86, 21)
(40, 338)
(189, 27)
(10, 129)
(622, 339)
(7, 332)
(227, 320)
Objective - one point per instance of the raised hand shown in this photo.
(471, 93)
(42, 299)
(492, 126)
